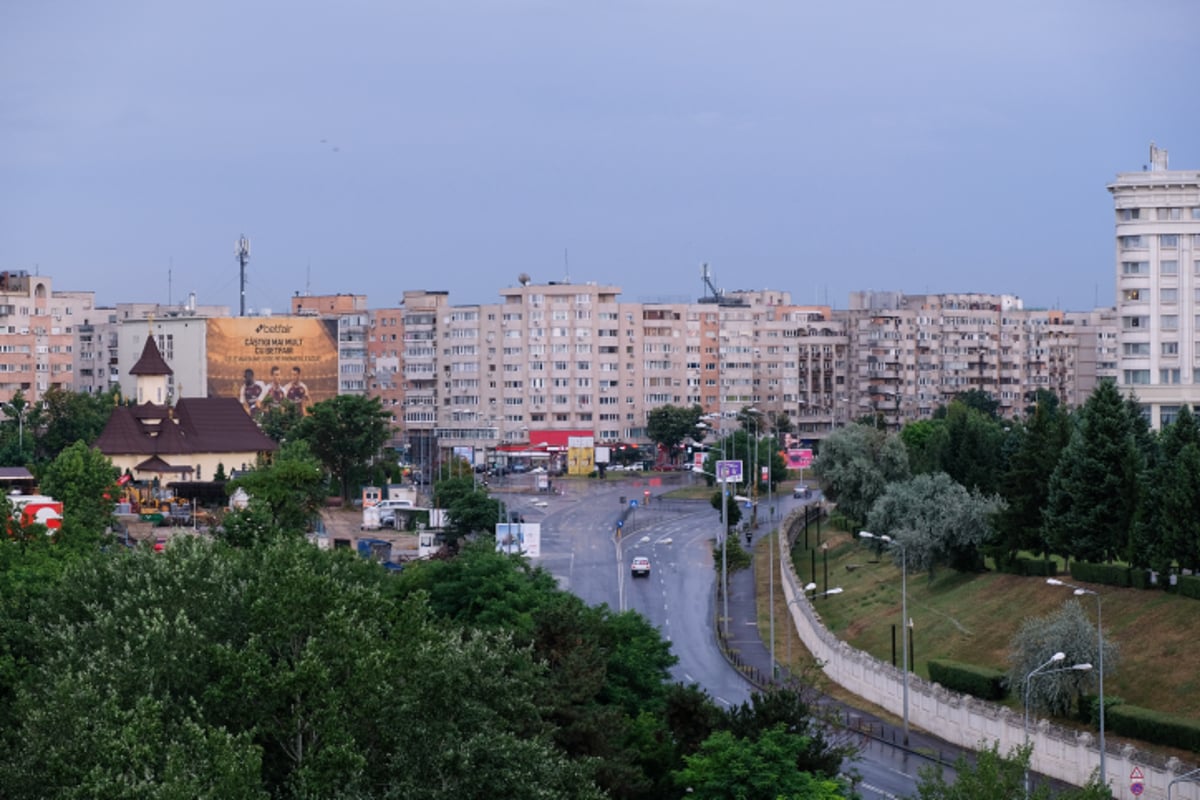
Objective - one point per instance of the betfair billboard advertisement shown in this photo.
(263, 360)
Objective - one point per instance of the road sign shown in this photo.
(620, 523)
(633, 503)
(729, 471)
(1136, 778)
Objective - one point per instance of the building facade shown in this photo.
(38, 335)
(1158, 286)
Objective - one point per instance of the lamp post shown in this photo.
(1193, 776)
(903, 610)
(1041, 670)
(809, 587)
(1079, 592)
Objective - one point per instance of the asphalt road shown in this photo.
(582, 549)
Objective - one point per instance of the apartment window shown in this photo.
(1169, 376)
(1170, 213)
(1134, 322)
(1167, 415)
(1136, 348)
(1132, 242)
(1168, 322)
(1136, 376)
(1130, 214)
(1168, 267)
(1168, 241)
(1170, 348)
(1168, 295)
(1132, 295)
(1135, 267)
(1196, 214)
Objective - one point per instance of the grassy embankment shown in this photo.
(972, 618)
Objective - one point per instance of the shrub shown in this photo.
(982, 682)
(1153, 726)
(1189, 586)
(1106, 574)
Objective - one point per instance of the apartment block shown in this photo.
(1158, 286)
(38, 334)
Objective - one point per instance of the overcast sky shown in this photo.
(374, 147)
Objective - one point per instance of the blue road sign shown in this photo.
(633, 503)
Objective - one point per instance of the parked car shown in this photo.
(519, 468)
(640, 566)
(801, 491)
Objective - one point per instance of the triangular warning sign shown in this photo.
(1136, 775)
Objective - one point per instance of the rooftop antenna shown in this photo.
(170, 268)
(566, 267)
(243, 255)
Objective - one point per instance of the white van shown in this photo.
(387, 509)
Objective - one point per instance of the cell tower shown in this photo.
(243, 255)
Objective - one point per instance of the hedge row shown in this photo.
(1189, 586)
(1105, 574)
(1029, 567)
(981, 682)
(1153, 726)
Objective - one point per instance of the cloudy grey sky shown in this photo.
(373, 147)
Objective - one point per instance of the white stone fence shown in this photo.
(967, 721)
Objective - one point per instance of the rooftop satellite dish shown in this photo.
(524, 278)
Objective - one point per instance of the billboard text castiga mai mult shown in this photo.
(264, 360)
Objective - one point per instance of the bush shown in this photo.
(982, 682)
(1188, 586)
(1028, 567)
(1105, 574)
(1153, 726)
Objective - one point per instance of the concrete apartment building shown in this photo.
(38, 336)
(1158, 286)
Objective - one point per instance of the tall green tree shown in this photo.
(1025, 484)
(1094, 489)
(764, 768)
(346, 432)
(856, 465)
(291, 486)
(1167, 532)
(274, 671)
(937, 521)
(70, 417)
(668, 426)
(85, 481)
(973, 454)
(17, 434)
(469, 508)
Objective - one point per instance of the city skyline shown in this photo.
(372, 149)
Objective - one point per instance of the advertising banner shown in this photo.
(264, 360)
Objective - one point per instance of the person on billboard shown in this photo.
(250, 394)
(296, 391)
(274, 392)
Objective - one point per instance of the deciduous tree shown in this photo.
(345, 432)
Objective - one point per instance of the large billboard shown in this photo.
(262, 360)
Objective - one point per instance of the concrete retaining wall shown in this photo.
(967, 721)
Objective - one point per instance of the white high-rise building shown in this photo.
(1158, 286)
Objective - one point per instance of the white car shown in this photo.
(640, 566)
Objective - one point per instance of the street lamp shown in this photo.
(1193, 776)
(809, 587)
(1041, 670)
(903, 610)
(1079, 592)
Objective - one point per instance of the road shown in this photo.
(581, 548)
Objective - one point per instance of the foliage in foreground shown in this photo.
(995, 777)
